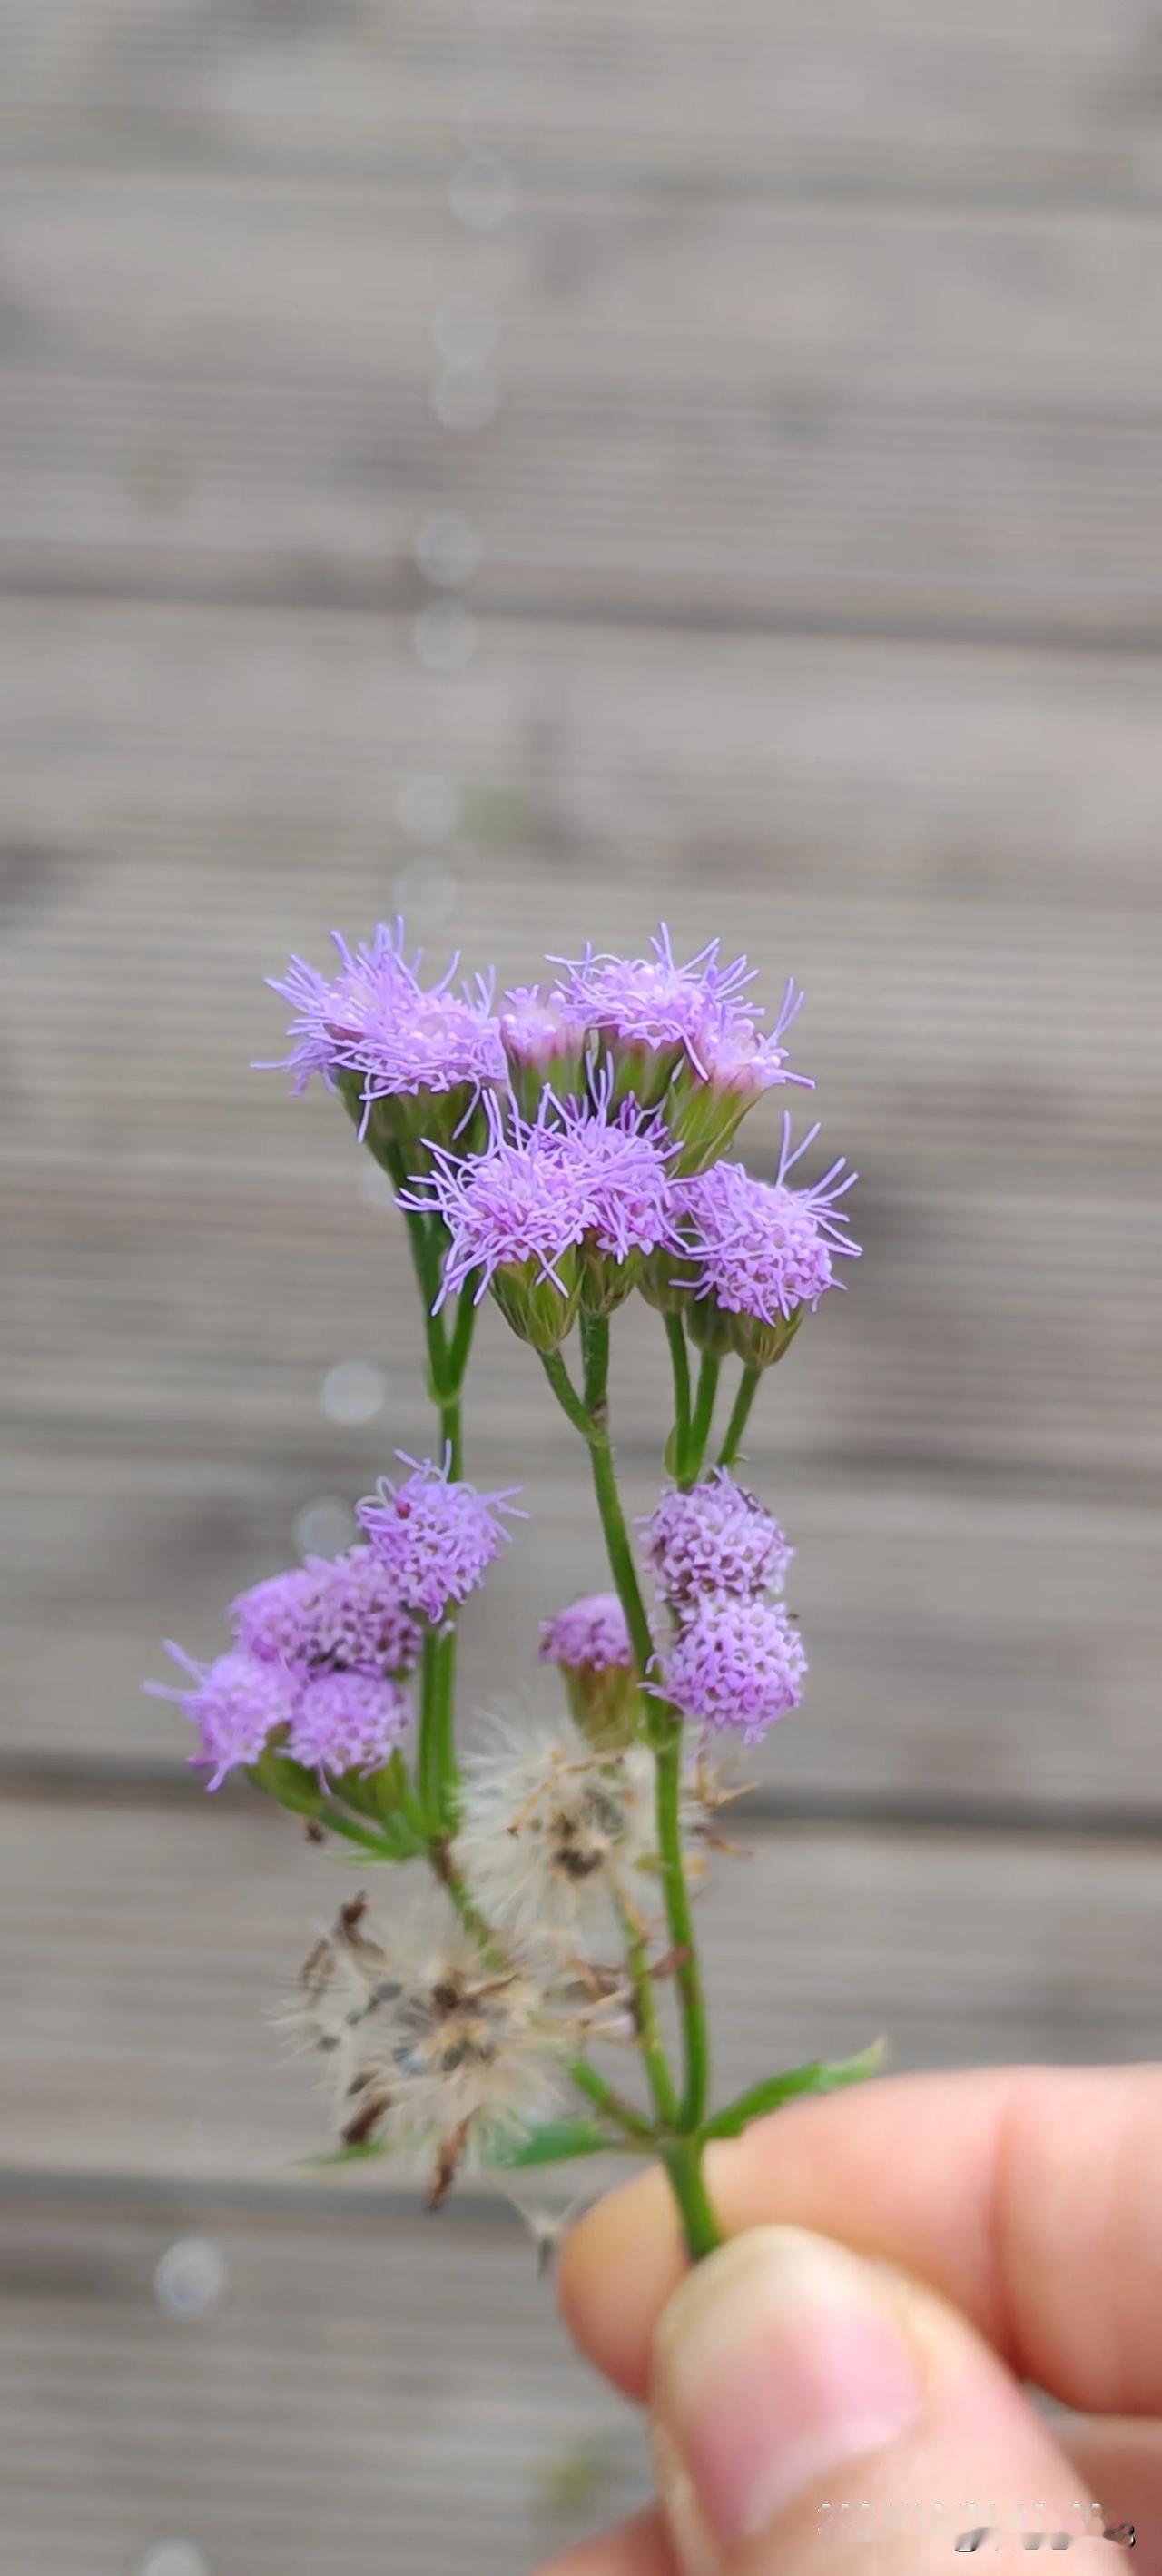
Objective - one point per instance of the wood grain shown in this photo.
(904, 99)
(309, 2418)
(819, 600)
(233, 391)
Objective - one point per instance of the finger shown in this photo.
(637, 2548)
(790, 2379)
(1028, 2195)
(1119, 2461)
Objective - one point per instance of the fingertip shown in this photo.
(637, 2548)
(616, 2269)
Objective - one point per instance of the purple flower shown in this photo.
(714, 1538)
(273, 1618)
(760, 1248)
(735, 1664)
(342, 1612)
(348, 1721)
(653, 1002)
(578, 1179)
(374, 1019)
(435, 1536)
(236, 1704)
(589, 1634)
(544, 1041)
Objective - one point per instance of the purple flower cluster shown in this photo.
(434, 1536)
(588, 1635)
(736, 1661)
(762, 1249)
(697, 1011)
(714, 1538)
(736, 1665)
(375, 1020)
(343, 1612)
(580, 1184)
(317, 1662)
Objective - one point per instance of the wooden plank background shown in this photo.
(792, 377)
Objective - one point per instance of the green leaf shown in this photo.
(369, 2153)
(287, 1781)
(555, 2144)
(823, 2075)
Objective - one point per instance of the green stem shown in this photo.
(436, 1774)
(620, 1553)
(683, 2163)
(606, 2098)
(703, 1416)
(680, 1364)
(653, 2054)
(687, 1977)
(589, 1416)
(740, 1416)
(566, 1393)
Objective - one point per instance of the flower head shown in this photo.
(435, 1536)
(588, 1634)
(552, 1829)
(654, 1002)
(237, 1704)
(429, 2046)
(336, 1613)
(544, 1041)
(553, 1212)
(376, 1032)
(590, 1643)
(714, 1538)
(762, 1250)
(347, 1721)
(735, 1663)
(688, 1033)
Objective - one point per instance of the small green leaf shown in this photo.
(555, 2144)
(287, 1781)
(821, 2076)
(368, 2153)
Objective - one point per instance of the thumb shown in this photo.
(801, 2397)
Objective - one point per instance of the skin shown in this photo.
(1029, 2199)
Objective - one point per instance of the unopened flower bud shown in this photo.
(589, 1642)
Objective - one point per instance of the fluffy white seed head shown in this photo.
(429, 2047)
(554, 1832)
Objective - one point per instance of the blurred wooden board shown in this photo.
(367, 2393)
(912, 97)
(151, 1944)
(229, 391)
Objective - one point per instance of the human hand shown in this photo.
(788, 2377)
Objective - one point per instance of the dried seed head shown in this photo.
(553, 1830)
(430, 2046)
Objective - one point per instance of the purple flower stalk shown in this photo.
(376, 1021)
(763, 1249)
(714, 1538)
(236, 1704)
(435, 1536)
(347, 1721)
(735, 1665)
(589, 1635)
(340, 1613)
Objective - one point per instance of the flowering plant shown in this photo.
(559, 1153)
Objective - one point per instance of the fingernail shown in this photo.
(779, 2359)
